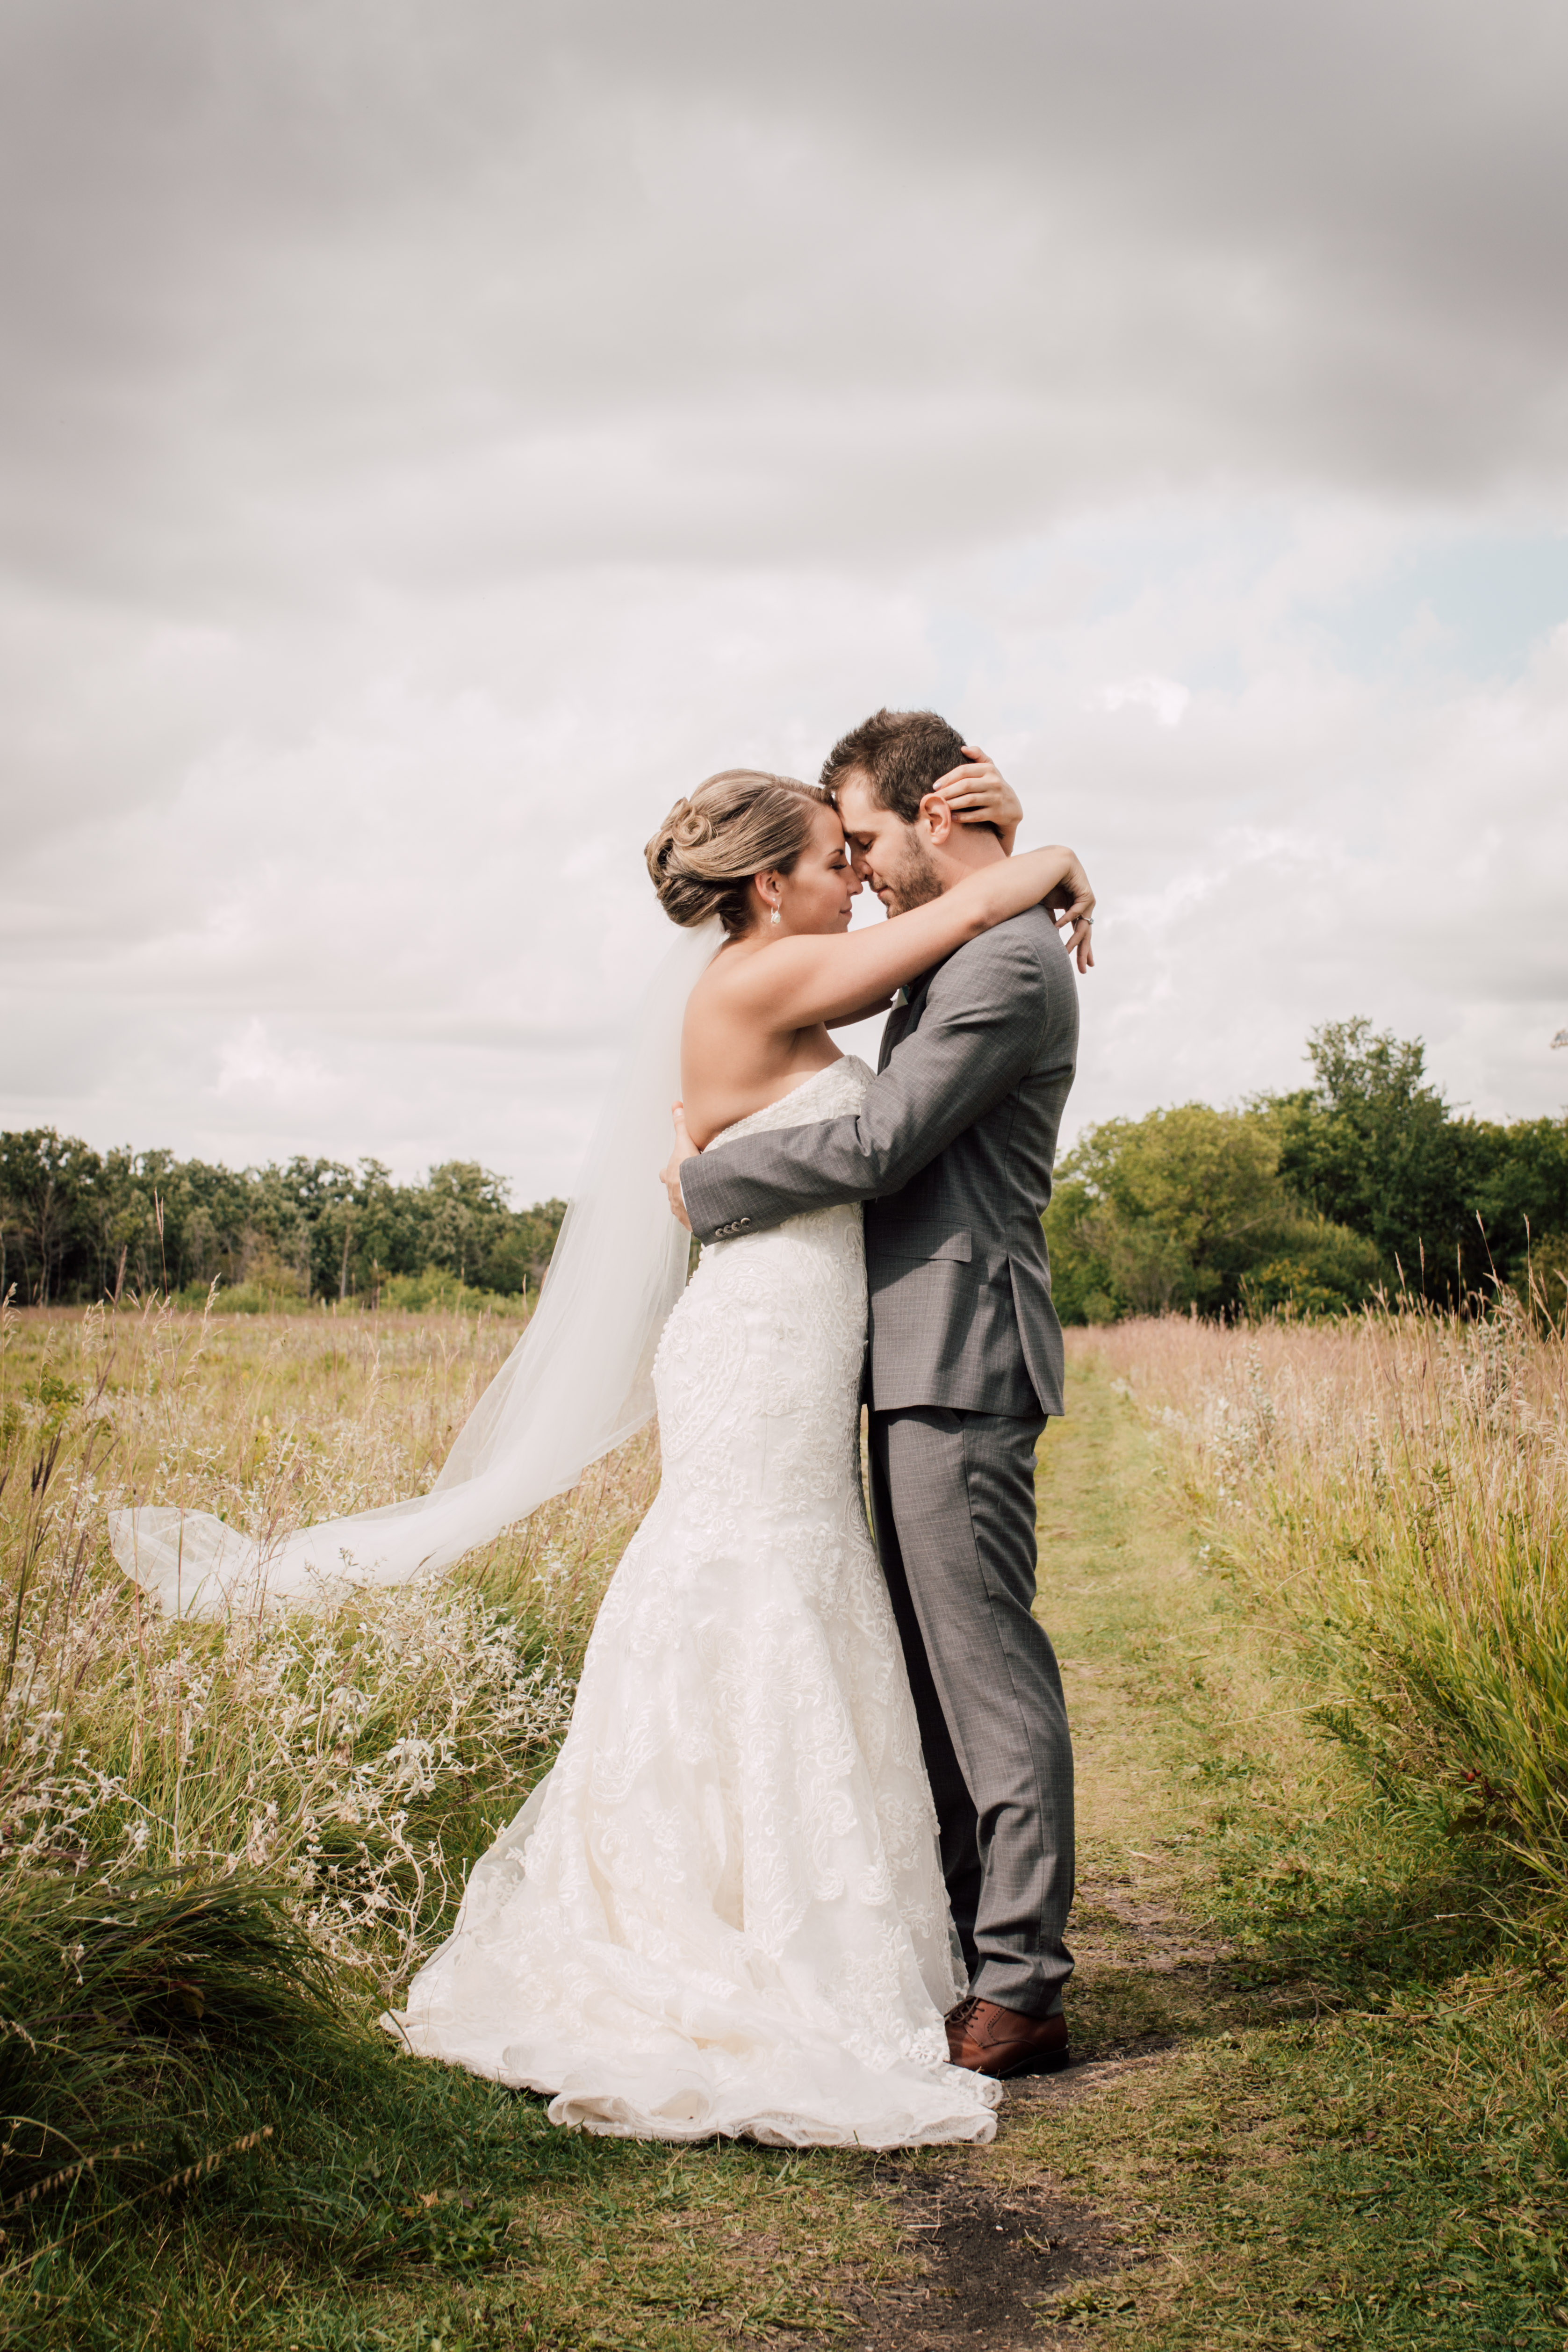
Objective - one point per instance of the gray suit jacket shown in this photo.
(953, 1154)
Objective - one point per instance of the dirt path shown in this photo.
(1011, 2253)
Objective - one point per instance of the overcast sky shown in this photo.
(432, 437)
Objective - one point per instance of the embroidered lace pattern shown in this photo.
(722, 1912)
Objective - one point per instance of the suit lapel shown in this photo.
(894, 1028)
(903, 1017)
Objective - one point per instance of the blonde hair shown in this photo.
(735, 826)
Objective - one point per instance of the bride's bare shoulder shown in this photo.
(715, 983)
(728, 979)
(719, 1015)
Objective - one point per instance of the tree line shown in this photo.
(1311, 1202)
(79, 1224)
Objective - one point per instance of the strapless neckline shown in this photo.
(798, 1106)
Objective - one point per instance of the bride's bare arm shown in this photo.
(861, 1013)
(797, 982)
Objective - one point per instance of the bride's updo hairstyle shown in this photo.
(735, 826)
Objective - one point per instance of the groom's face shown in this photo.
(885, 853)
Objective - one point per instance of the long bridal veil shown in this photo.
(578, 1382)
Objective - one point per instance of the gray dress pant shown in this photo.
(953, 1503)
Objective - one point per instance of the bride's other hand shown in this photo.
(669, 1174)
(1071, 906)
(979, 793)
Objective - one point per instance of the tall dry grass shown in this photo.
(1399, 1483)
(337, 1770)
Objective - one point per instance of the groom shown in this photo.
(951, 1154)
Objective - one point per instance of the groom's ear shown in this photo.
(934, 819)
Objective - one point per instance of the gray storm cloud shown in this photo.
(429, 437)
(542, 286)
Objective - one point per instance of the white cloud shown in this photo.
(255, 1072)
(1167, 698)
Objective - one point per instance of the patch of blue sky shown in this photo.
(1211, 596)
(1478, 604)
(1092, 570)
(1173, 573)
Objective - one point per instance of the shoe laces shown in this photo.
(966, 2009)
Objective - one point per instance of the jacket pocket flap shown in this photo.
(925, 1245)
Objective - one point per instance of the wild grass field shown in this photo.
(224, 1847)
(1310, 1585)
(1394, 1487)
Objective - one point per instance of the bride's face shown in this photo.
(820, 894)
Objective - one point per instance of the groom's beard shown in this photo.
(915, 882)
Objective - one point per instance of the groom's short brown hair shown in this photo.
(902, 751)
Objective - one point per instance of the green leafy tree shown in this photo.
(1451, 1204)
(1187, 1208)
(520, 1259)
(1514, 1183)
(75, 1224)
(45, 1184)
(1370, 1145)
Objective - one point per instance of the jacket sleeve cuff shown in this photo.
(700, 1214)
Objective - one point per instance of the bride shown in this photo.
(723, 1911)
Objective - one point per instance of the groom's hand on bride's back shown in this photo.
(669, 1174)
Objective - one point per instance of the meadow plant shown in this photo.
(350, 1757)
(1399, 1482)
(336, 1769)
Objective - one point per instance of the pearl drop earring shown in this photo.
(774, 916)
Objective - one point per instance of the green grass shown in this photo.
(404, 2202)
(1327, 2014)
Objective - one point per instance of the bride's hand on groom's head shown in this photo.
(1071, 906)
(669, 1174)
(978, 793)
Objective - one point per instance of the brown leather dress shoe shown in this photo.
(991, 2040)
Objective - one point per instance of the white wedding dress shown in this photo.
(722, 1912)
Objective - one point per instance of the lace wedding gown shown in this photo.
(722, 1912)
